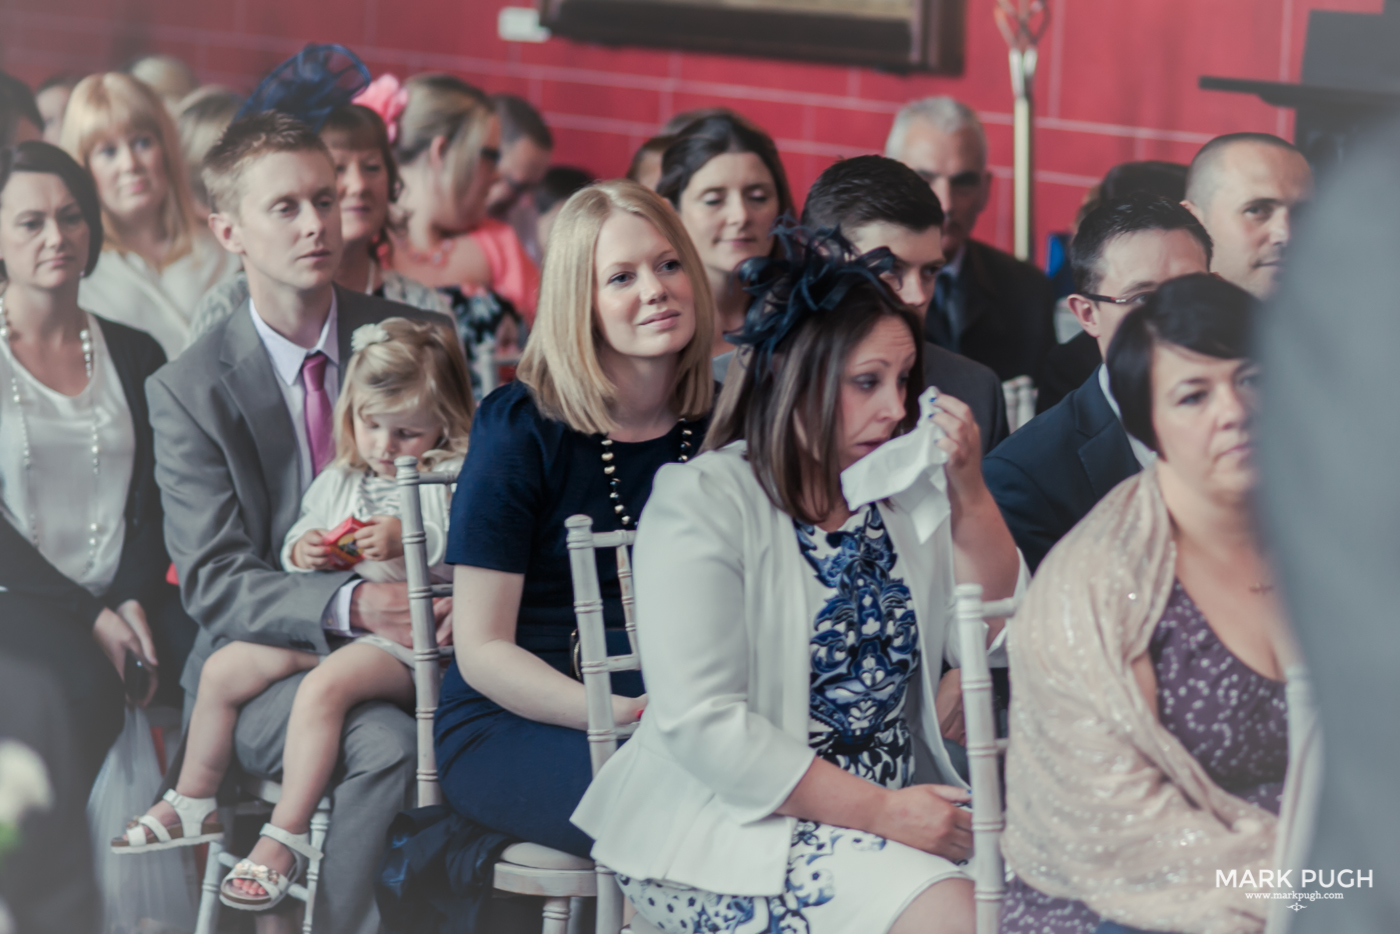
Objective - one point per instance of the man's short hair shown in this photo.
(1200, 176)
(1114, 219)
(866, 189)
(520, 120)
(942, 113)
(246, 141)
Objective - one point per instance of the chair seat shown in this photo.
(535, 856)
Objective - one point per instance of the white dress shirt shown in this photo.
(1146, 457)
(287, 359)
(60, 490)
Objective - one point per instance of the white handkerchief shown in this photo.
(908, 470)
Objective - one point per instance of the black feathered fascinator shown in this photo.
(310, 84)
(815, 272)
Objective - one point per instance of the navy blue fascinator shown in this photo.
(310, 84)
(814, 274)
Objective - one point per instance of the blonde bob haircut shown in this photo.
(443, 106)
(560, 363)
(105, 105)
(406, 365)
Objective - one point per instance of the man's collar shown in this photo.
(287, 357)
(1144, 454)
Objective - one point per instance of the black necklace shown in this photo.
(610, 471)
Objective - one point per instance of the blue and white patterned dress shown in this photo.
(865, 656)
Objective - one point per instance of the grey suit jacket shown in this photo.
(228, 469)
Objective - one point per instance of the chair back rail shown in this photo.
(597, 667)
(427, 669)
(988, 819)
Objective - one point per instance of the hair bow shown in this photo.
(816, 271)
(310, 84)
(386, 97)
(367, 335)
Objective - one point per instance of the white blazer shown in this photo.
(724, 634)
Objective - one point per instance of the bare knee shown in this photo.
(943, 908)
(325, 691)
(240, 671)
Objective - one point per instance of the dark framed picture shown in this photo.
(897, 35)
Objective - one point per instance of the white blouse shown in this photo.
(60, 488)
(125, 289)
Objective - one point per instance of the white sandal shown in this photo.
(199, 823)
(275, 884)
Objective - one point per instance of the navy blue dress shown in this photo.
(524, 475)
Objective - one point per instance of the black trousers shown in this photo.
(46, 633)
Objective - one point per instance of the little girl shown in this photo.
(406, 392)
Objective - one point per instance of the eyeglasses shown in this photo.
(1132, 301)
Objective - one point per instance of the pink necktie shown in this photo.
(317, 411)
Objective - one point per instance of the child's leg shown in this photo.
(348, 677)
(231, 677)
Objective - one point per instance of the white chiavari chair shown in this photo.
(530, 869)
(427, 654)
(983, 749)
(1019, 394)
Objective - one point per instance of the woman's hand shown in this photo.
(381, 539)
(627, 709)
(115, 637)
(926, 818)
(948, 702)
(963, 442)
(312, 553)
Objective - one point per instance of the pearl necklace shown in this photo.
(610, 472)
(26, 454)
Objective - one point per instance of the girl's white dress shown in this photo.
(340, 492)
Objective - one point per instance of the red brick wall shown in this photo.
(1117, 78)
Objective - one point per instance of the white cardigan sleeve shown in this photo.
(695, 646)
(323, 506)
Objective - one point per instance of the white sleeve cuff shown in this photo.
(337, 618)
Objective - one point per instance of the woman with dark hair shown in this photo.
(791, 715)
(1168, 660)
(82, 552)
(723, 176)
(367, 179)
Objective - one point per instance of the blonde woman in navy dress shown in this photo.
(789, 773)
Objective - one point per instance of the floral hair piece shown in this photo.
(386, 97)
(310, 84)
(367, 335)
(816, 271)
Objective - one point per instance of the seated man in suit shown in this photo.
(1050, 473)
(987, 304)
(878, 202)
(1069, 364)
(242, 423)
(1245, 189)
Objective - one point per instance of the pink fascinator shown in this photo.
(386, 97)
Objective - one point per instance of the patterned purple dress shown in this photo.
(1231, 718)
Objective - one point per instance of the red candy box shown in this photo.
(341, 541)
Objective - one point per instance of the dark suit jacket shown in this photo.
(141, 570)
(1064, 369)
(1053, 470)
(229, 475)
(963, 379)
(1008, 310)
